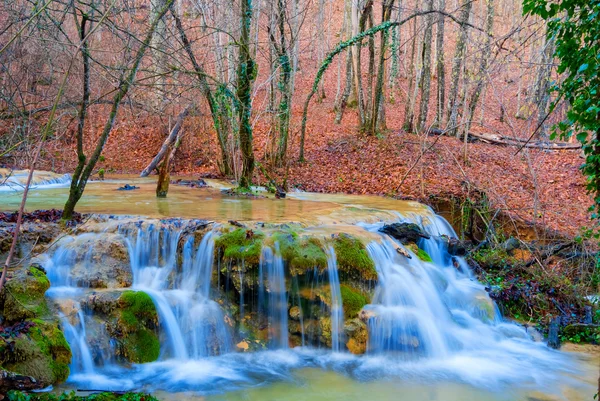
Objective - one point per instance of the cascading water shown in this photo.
(337, 310)
(193, 323)
(425, 320)
(271, 272)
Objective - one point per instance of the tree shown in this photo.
(574, 28)
(85, 166)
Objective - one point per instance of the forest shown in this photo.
(342, 198)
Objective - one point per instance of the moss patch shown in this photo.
(70, 396)
(42, 353)
(301, 254)
(421, 254)
(353, 259)
(136, 326)
(241, 244)
(23, 297)
(353, 301)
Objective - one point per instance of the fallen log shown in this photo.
(171, 139)
(497, 139)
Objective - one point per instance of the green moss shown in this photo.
(288, 243)
(70, 396)
(136, 307)
(241, 244)
(42, 353)
(353, 259)
(142, 346)
(137, 320)
(24, 295)
(421, 254)
(353, 301)
(309, 255)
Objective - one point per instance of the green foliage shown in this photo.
(574, 28)
(353, 259)
(580, 334)
(71, 396)
(241, 244)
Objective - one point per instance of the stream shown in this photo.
(433, 331)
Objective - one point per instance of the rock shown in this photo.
(100, 261)
(199, 183)
(135, 328)
(511, 244)
(295, 313)
(366, 314)
(404, 232)
(14, 381)
(242, 345)
(403, 252)
(455, 246)
(127, 187)
(23, 296)
(42, 353)
(534, 334)
(358, 336)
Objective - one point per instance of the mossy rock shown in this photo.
(241, 244)
(301, 254)
(352, 300)
(23, 295)
(353, 258)
(42, 353)
(494, 259)
(357, 334)
(136, 325)
(421, 254)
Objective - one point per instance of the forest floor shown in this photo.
(536, 186)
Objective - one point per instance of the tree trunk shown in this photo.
(218, 112)
(426, 74)
(167, 144)
(164, 175)
(457, 66)
(412, 82)
(246, 73)
(79, 181)
(441, 72)
(483, 66)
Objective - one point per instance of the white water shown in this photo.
(16, 180)
(430, 322)
(337, 309)
(272, 273)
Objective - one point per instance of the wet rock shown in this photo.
(358, 336)
(14, 381)
(534, 334)
(127, 187)
(455, 246)
(366, 314)
(511, 244)
(100, 261)
(135, 328)
(199, 183)
(404, 232)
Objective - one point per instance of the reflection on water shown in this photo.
(211, 204)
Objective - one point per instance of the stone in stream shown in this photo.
(127, 187)
(404, 232)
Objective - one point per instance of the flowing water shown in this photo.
(434, 333)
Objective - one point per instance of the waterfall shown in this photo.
(82, 361)
(337, 311)
(193, 323)
(271, 269)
